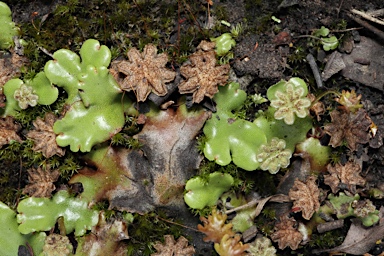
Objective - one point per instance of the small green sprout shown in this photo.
(224, 44)
(329, 43)
(274, 156)
(277, 20)
(258, 99)
(289, 98)
(237, 30)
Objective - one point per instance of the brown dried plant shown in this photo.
(348, 174)
(305, 196)
(41, 182)
(349, 126)
(350, 101)
(144, 72)
(173, 248)
(10, 67)
(44, 137)
(231, 246)
(8, 131)
(203, 75)
(286, 233)
(214, 227)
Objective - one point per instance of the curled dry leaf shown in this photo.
(8, 131)
(203, 76)
(41, 182)
(349, 126)
(317, 108)
(171, 247)
(144, 72)
(286, 233)
(305, 196)
(214, 227)
(44, 138)
(348, 174)
(231, 246)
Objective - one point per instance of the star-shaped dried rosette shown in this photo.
(144, 72)
(203, 75)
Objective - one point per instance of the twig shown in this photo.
(315, 70)
(367, 16)
(345, 30)
(376, 13)
(365, 24)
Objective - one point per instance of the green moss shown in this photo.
(147, 229)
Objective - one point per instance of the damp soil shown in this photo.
(265, 53)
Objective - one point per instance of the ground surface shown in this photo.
(262, 56)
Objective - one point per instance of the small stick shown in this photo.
(328, 226)
(367, 16)
(315, 70)
(363, 23)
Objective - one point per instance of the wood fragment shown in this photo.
(368, 17)
(328, 226)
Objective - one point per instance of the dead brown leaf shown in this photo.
(305, 196)
(41, 182)
(8, 131)
(155, 175)
(286, 233)
(44, 137)
(10, 66)
(203, 76)
(348, 126)
(143, 72)
(215, 227)
(348, 174)
(171, 247)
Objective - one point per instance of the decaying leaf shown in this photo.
(8, 131)
(106, 238)
(317, 108)
(56, 244)
(144, 72)
(231, 246)
(171, 247)
(203, 76)
(215, 227)
(286, 233)
(10, 66)
(348, 174)
(41, 182)
(305, 196)
(44, 137)
(349, 126)
(155, 175)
